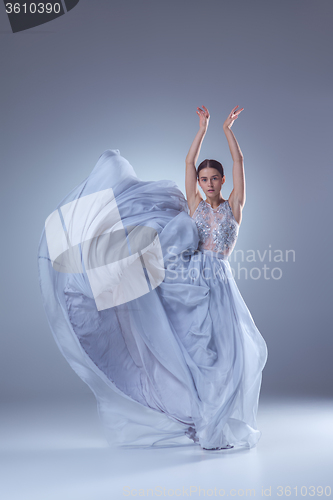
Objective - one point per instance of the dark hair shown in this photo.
(212, 164)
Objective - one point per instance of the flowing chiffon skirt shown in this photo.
(157, 329)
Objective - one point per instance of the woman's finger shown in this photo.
(206, 111)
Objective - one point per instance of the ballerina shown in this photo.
(210, 177)
(211, 181)
(141, 301)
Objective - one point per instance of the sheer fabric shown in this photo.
(155, 326)
(217, 227)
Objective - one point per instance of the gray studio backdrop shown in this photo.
(129, 75)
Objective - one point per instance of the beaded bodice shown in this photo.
(217, 227)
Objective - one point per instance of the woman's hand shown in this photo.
(232, 117)
(204, 117)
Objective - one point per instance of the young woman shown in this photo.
(211, 181)
(141, 301)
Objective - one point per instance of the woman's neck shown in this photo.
(215, 202)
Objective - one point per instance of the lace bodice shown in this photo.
(217, 227)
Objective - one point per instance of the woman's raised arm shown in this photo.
(191, 186)
(237, 195)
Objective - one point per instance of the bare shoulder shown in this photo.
(236, 208)
(194, 204)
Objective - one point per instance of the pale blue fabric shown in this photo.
(180, 364)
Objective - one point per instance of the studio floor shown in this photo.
(57, 451)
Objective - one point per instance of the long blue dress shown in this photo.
(142, 303)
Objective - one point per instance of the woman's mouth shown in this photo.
(210, 190)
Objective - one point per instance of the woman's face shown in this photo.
(210, 181)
